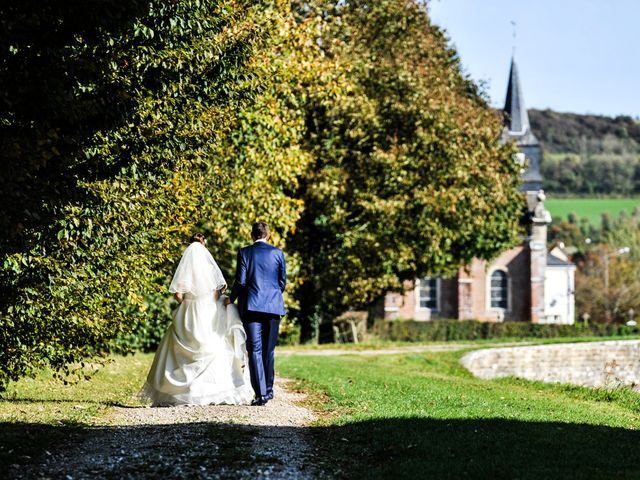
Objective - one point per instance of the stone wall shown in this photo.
(591, 364)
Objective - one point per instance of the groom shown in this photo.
(261, 276)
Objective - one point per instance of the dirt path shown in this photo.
(208, 442)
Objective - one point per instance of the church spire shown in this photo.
(517, 129)
(516, 117)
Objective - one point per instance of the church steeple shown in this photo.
(516, 117)
(518, 129)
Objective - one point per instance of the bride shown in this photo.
(201, 359)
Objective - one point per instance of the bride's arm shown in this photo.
(178, 296)
(216, 295)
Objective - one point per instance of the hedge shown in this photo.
(448, 330)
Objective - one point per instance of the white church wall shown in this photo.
(559, 295)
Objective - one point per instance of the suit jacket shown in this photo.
(261, 275)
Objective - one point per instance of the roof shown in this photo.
(553, 261)
(517, 118)
(515, 113)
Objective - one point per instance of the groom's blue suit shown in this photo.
(261, 275)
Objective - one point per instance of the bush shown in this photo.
(147, 332)
(289, 332)
(450, 330)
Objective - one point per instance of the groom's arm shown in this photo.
(282, 272)
(241, 277)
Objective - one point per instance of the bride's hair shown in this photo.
(197, 237)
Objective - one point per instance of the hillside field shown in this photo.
(591, 208)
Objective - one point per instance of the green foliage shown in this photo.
(289, 332)
(407, 176)
(124, 129)
(619, 301)
(573, 235)
(147, 331)
(450, 330)
(572, 174)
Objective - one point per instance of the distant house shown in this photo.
(526, 283)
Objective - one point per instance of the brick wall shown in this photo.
(473, 289)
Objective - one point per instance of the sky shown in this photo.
(580, 56)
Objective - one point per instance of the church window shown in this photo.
(499, 289)
(427, 293)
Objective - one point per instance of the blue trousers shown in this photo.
(262, 337)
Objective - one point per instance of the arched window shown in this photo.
(427, 293)
(499, 289)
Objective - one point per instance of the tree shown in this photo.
(568, 233)
(610, 301)
(125, 126)
(408, 178)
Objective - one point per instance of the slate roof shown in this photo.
(517, 117)
(515, 113)
(553, 261)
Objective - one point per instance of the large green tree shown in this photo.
(408, 177)
(124, 126)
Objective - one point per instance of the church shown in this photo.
(526, 283)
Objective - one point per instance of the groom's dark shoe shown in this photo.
(269, 396)
(259, 401)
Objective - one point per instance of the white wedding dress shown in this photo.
(202, 358)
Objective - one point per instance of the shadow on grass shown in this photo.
(395, 448)
(489, 448)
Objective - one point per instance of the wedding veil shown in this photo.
(197, 273)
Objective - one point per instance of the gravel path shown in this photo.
(204, 442)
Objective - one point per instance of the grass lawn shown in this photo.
(591, 208)
(424, 416)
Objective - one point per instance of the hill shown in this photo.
(588, 154)
(585, 134)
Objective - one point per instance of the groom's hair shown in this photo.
(259, 230)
